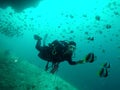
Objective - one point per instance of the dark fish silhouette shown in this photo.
(103, 72)
(106, 65)
(90, 58)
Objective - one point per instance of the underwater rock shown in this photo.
(18, 74)
(18, 5)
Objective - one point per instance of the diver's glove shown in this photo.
(80, 61)
(36, 37)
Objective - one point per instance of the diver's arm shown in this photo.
(89, 58)
(72, 62)
(44, 40)
(38, 45)
(75, 62)
(80, 61)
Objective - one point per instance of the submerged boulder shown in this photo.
(18, 74)
(19, 5)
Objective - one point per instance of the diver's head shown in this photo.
(71, 47)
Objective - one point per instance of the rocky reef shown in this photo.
(18, 5)
(18, 74)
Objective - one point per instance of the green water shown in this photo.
(68, 20)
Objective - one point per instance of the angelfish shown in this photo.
(103, 72)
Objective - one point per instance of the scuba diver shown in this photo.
(57, 52)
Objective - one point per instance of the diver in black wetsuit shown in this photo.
(59, 51)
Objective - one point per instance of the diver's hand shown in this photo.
(36, 37)
(88, 59)
(80, 61)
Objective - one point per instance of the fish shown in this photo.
(90, 38)
(90, 58)
(103, 72)
(106, 65)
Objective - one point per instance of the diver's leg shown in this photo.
(55, 68)
(46, 67)
(38, 45)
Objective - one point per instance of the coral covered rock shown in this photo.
(18, 74)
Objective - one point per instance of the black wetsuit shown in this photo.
(46, 52)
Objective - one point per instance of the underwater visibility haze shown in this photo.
(93, 24)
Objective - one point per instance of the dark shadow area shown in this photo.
(18, 5)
